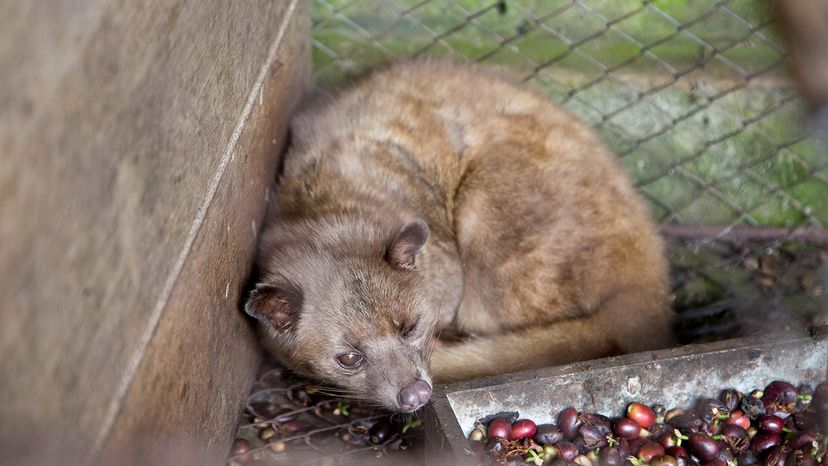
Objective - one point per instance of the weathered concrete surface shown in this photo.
(134, 169)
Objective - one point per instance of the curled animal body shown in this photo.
(431, 198)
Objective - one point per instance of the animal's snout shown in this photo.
(414, 396)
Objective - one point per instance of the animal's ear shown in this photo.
(409, 241)
(277, 305)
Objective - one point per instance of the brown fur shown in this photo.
(540, 251)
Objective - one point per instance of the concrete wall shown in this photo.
(138, 141)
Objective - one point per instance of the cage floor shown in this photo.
(738, 284)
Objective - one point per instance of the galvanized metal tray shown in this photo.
(674, 377)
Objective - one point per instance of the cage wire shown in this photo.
(289, 420)
(692, 96)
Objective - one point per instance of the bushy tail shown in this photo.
(624, 323)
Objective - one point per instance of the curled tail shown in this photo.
(626, 322)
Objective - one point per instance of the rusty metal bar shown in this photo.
(738, 233)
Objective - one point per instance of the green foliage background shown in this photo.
(692, 94)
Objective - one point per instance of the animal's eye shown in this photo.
(409, 329)
(350, 360)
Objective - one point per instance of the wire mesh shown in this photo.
(693, 96)
(290, 420)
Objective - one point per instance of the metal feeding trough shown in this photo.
(675, 377)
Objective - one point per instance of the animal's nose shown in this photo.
(414, 396)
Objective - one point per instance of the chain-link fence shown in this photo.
(288, 420)
(694, 98)
(691, 95)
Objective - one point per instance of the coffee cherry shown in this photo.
(708, 409)
(240, 448)
(667, 440)
(627, 428)
(635, 444)
(780, 392)
(673, 413)
(569, 423)
(725, 454)
(379, 432)
(753, 407)
(548, 434)
(650, 450)
(777, 456)
(703, 446)
(500, 427)
(803, 440)
(592, 437)
(747, 457)
(642, 414)
(610, 457)
(714, 462)
(764, 441)
(688, 424)
(623, 447)
(737, 417)
(291, 426)
(550, 452)
(277, 446)
(601, 423)
(800, 458)
(582, 460)
(780, 398)
(771, 423)
(806, 420)
(665, 460)
(736, 437)
(523, 428)
(677, 452)
(567, 450)
(476, 435)
(731, 399)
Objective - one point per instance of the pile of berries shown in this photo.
(290, 420)
(781, 425)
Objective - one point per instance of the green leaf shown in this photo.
(411, 423)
